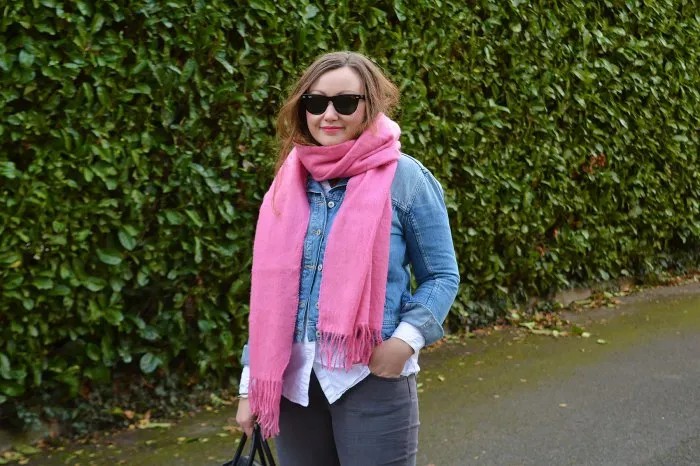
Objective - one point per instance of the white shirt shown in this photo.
(334, 381)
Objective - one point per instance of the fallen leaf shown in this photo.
(528, 325)
(27, 449)
(156, 425)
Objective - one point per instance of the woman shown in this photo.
(334, 328)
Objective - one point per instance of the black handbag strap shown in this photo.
(239, 451)
(268, 452)
(262, 445)
(258, 447)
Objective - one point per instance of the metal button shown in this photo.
(320, 267)
(316, 304)
(331, 204)
(318, 334)
(318, 232)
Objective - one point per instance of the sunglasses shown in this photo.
(345, 104)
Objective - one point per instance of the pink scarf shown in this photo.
(355, 264)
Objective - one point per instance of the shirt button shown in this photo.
(331, 204)
(320, 267)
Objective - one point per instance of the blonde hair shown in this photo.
(381, 96)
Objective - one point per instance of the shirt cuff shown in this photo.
(245, 381)
(411, 335)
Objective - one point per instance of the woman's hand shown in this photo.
(389, 358)
(244, 417)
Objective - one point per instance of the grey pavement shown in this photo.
(627, 395)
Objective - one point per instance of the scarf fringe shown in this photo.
(345, 350)
(265, 397)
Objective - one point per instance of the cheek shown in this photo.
(311, 120)
(357, 123)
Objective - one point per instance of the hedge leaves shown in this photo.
(136, 141)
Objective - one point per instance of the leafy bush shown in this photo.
(137, 140)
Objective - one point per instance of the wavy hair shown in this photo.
(381, 96)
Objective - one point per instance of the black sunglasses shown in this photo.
(345, 104)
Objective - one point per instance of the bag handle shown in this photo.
(261, 445)
(258, 445)
(256, 448)
(267, 451)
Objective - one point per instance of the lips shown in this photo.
(331, 129)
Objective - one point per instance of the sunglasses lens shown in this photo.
(345, 104)
(315, 104)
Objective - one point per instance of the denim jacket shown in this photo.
(420, 239)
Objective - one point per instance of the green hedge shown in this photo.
(136, 141)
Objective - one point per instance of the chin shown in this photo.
(331, 141)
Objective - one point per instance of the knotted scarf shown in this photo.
(354, 266)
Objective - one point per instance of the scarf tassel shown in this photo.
(265, 397)
(345, 350)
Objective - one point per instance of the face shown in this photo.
(331, 127)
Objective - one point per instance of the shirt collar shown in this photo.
(314, 186)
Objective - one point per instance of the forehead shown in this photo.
(339, 80)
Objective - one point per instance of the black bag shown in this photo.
(259, 448)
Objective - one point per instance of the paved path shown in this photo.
(632, 399)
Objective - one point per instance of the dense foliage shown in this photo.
(136, 140)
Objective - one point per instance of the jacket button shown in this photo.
(318, 334)
(320, 267)
(331, 204)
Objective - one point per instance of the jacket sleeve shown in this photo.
(245, 357)
(432, 257)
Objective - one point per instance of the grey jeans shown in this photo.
(374, 423)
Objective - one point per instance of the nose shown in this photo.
(330, 113)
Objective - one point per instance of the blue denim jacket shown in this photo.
(420, 239)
